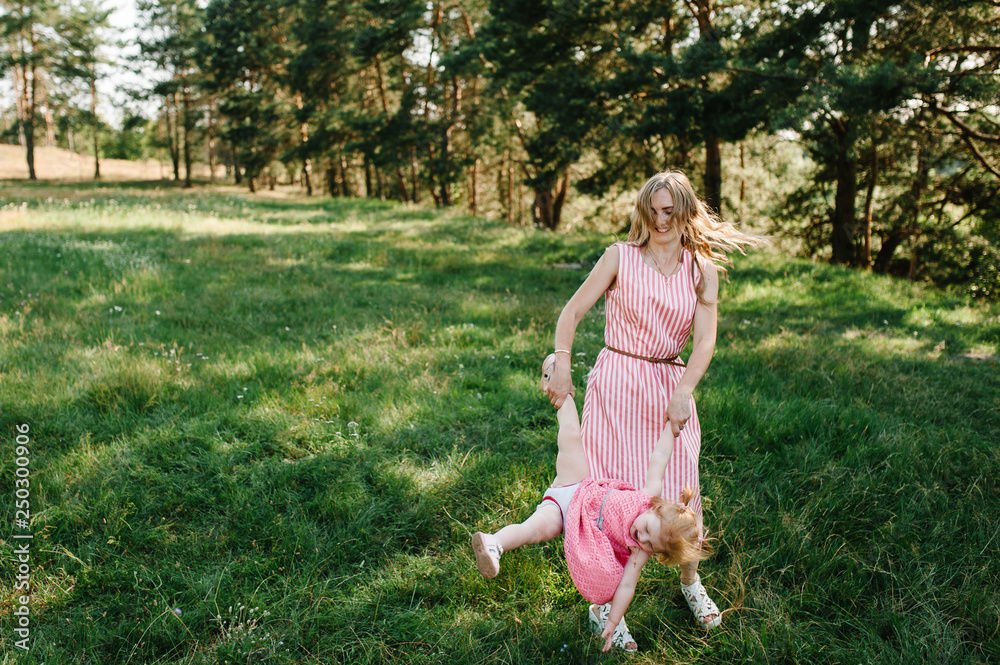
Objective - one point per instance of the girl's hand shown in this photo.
(608, 634)
(678, 411)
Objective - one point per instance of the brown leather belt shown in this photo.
(672, 360)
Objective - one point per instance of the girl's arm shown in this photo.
(600, 279)
(705, 324)
(623, 594)
(662, 453)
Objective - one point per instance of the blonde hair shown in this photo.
(680, 536)
(702, 232)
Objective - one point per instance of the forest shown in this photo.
(865, 133)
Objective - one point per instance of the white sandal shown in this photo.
(701, 605)
(488, 551)
(622, 639)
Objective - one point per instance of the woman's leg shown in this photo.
(689, 571)
(694, 592)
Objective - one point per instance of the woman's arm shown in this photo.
(623, 594)
(706, 318)
(600, 279)
(658, 461)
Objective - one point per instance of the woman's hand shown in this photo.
(561, 383)
(678, 411)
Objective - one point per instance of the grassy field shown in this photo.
(284, 418)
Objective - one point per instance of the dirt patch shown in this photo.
(59, 164)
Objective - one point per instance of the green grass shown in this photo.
(287, 416)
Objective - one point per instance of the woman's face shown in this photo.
(662, 213)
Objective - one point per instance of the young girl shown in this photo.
(611, 528)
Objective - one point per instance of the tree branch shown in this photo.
(979, 156)
(963, 48)
(966, 129)
(780, 77)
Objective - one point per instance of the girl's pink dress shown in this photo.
(596, 555)
(623, 413)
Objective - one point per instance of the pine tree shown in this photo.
(172, 31)
(854, 72)
(82, 29)
(244, 58)
(25, 28)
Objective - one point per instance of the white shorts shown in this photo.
(561, 496)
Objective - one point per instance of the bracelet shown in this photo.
(563, 351)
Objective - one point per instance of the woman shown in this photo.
(661, 288)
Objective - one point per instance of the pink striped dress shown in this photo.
(623, 413)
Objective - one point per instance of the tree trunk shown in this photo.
(520, 202)
(547, 207)
(186, 97)
(345, 183)
(50, 124)
(93, 115)
(400, 180)
(474, 188)
(172, 134)
(237, 176)
(331, 178)
(541, 208)
(884, 258)
(713, 173)
(703, 10)
(414, 180)
(865, 256)
(211, 141)
(28, 90)
(844, 221)
(20, 99)
(743, 180)
(304, 140)
(368, 177)
(910, 219)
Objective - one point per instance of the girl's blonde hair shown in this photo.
(702, 232)
(680, 535)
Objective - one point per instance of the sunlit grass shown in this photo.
(304, 407)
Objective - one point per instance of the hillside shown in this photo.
(59, 164)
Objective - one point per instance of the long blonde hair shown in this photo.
(702, 232)
(680, 534)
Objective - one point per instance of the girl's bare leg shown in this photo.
(543, 525)
(546, 522)
(571, 467)
(571, 460)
